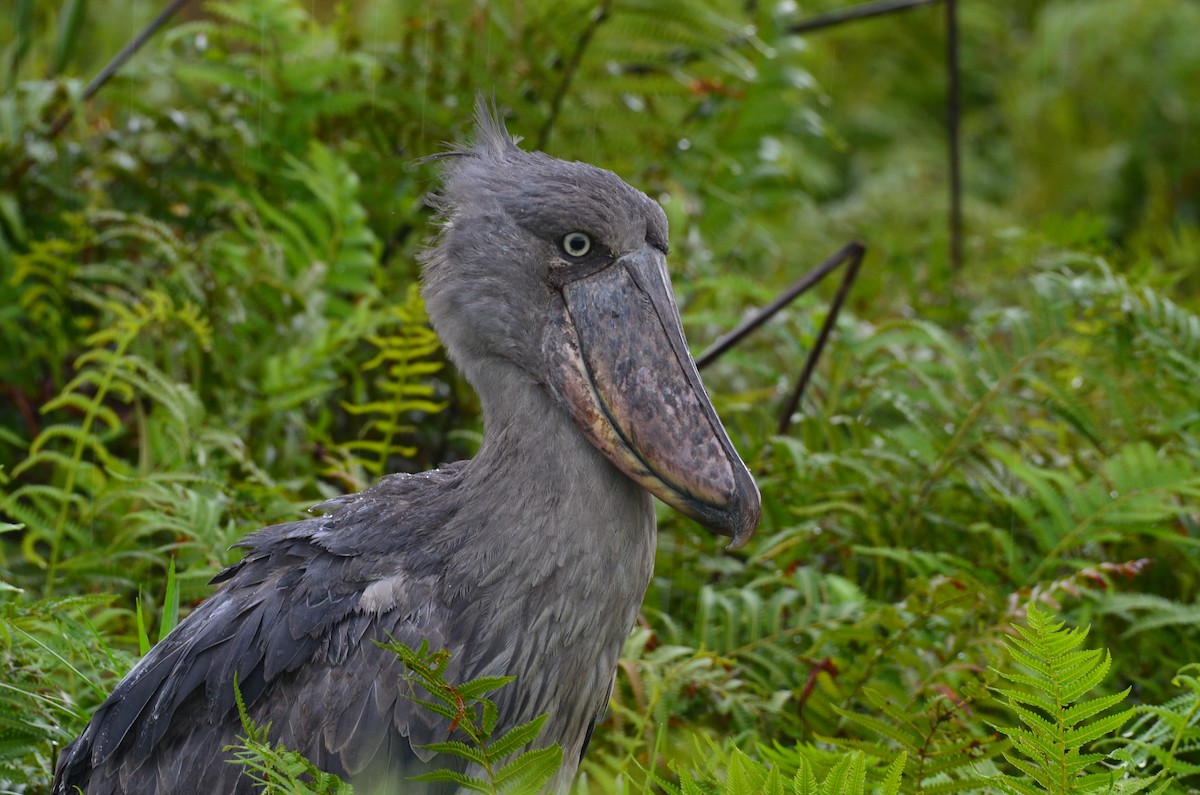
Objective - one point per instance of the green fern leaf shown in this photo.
(484, 684)
(848, 776)
(454, 777)
(774, 783)
(530, 771)
(450, 709)
(1086, 709)
(516, 737)
(1031, 694)
(459, 749)
(894, 776)
(1100, 728)
(402, 371)
(1076, 680)
(1037, 747)
(805, 782)
(743, 774)
(1055, 726)
(491, 714)
(878, 726)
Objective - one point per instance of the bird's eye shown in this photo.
(576, 244)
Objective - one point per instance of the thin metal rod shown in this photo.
(102, 77)
(953, 113)
(848, 251)
(119, 60)
(862, 11)
(953, 93)
(810, 364)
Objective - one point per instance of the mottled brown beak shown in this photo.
(622, 367)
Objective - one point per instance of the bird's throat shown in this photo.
(572, 544)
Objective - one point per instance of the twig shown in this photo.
(97, 82)
(810, 364)
(863, 11)
(801, 286)
(851, 253)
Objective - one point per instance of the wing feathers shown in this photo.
(290, 623)
(122, 710)
(355, 736)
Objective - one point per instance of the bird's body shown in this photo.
(530, 560)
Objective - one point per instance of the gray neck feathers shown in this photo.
(567, 558)
(538, 486)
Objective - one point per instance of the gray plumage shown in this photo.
(529, 560)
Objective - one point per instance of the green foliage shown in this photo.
(497, 765)
(1056, 723)
(170, 613)
(1121, 160)
(211, 322)
(947, 756)
(53, 656)
(403, 357)
(1167, 735)
(78, 452)
(275, 768)
(743, 776)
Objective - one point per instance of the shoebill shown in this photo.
(548, 286)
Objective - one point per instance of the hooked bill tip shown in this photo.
(747, 512)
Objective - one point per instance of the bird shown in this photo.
(547, 283)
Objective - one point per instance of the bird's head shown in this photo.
(558, 270)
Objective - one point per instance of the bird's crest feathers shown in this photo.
(491, 135)
(492, 138)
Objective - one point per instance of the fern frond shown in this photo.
(497, 765)
(529, 771)
(276, 768)
(464, 781)
(1148, 612)
(1167, 736)
(516, 737)
(1048, 746)
(457, 748)
(932, 741)
(403, 369)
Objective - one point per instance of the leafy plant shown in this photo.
(499, 765)
(404, 364)
(1056, 723)
(55, 661)
(108, 371)
(276, 768)
(213, 323)
(945, 754)
(741, 775)
(1167, 735)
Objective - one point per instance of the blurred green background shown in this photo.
(210, 323)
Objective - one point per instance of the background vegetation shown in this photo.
(209, 323)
